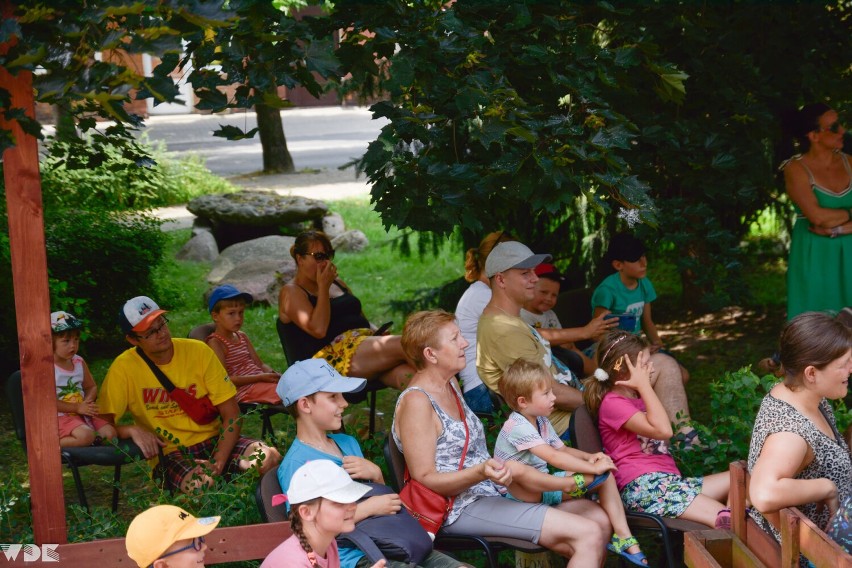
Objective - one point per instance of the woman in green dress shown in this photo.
(819, 181)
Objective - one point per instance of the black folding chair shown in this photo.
(583, 431)
(490, 546)
(124, 451)
(369, 391)
(268, 486)
(265, 411)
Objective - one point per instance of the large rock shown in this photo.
(200, 248)
(272, 250)
(245, 215)
(332, 225)
(350, 241)
(260, 278)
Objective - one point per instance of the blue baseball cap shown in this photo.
(311, 376)
(227, 292)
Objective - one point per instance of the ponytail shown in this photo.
(609, 358)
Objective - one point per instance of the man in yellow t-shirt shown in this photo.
(503, 337)
(193, 454)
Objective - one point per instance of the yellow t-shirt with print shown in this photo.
(131, 385)
(501, 340)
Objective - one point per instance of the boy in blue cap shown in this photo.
(255, 380)
(312, 390)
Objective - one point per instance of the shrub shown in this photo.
(734, 402)
(103, 258)
(87, 173)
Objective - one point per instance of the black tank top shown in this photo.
(346, 314)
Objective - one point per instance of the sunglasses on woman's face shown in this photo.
(834, 127)
(321, 256)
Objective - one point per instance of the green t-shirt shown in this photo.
(613, 295)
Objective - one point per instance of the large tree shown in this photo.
(563, 121)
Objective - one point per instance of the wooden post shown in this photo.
(32, 308)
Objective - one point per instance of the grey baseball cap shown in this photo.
(512, 254)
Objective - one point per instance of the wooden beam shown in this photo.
(228, 544)
(32, 309)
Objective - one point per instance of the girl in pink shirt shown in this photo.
(635, 431)
(322, 498)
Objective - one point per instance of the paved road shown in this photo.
(318, 138)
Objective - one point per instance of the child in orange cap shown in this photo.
(166, 536)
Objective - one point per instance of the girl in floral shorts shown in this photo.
(635, 431)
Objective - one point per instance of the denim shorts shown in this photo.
(479, 399)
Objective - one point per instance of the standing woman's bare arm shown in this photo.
(798, 187)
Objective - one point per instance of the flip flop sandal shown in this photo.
(582, 488)
(620, 545)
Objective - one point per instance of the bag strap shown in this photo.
(406, 476)
(362, 542)
(161, 376)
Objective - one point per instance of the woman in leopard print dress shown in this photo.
(797, 457)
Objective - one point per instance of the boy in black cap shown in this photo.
(628, 292)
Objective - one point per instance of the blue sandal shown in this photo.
(582, 488)
(620, 545)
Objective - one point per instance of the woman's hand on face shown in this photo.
(326, 275)
(640, 371)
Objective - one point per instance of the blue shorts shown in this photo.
(547, 497)
(662, 494)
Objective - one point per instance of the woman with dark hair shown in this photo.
(797, 457)
(318, 316)
(819, 182)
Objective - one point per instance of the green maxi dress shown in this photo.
(819, 273)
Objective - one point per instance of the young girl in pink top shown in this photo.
(635, 432)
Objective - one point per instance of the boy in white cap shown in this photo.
(166, 536)
(79, 424)
(312, 390)
(194, 452)
(322, 498)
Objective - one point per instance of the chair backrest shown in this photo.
(574, 309)
(396, 463)
(266, 488)
(285, 345)
(200, 332)
(583, 431)
(15, 398)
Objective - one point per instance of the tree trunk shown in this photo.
(276, 156)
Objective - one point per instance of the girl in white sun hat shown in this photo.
(322, 500)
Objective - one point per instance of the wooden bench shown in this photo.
(227, 544)
(749, 546)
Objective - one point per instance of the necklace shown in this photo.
(331, 450)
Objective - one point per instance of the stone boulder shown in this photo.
(260, 278)
(259, 267)
(245, 215)
(350, 241)
(201, 247)
(332, 225)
